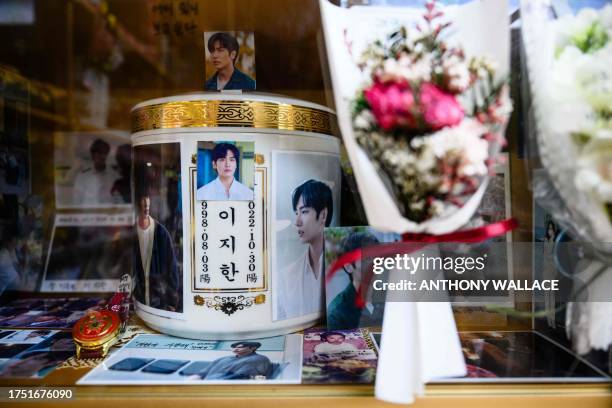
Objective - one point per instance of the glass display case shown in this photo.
(71, 201)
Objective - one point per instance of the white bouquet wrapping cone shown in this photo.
(414, 334)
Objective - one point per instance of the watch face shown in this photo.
(96, 328)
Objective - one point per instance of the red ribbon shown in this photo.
(466, 236)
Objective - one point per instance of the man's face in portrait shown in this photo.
(309, 225)
(241, 350)
(144, 205)
(226, 166)
(221, 58)
(335, 339)
(99, 159)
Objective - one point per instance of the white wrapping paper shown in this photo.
(420, 340)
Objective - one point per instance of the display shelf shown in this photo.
(345, 395)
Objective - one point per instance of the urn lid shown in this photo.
(233, 109)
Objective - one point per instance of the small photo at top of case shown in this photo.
(130, 364)
(230, 60)
(164, 366)
(226, 171)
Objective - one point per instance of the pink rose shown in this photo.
(391, 104)
(439, 109)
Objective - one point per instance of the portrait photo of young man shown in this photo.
(93, 169)
(224, 56)
(225, 159)
(156, 275)
(301, 285)
(93, 184)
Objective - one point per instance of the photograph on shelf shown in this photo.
(495, 206)
(21, 240)
(88, 252)
(341, 290)
(545, 233)
(226, 171)
(47, 313)
(230, 60)
(92, 170)
(25, 336)
(160, 359)
(307, 195)
(338, 356)
(158, 247)
(10, 350)
(38, 360)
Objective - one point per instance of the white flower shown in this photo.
(579, 91)
(569, 26)
(364, 120)
(457, 73)
(595, 78)
(595, 170)
(464, 142)
(404, 68)
(605, 16)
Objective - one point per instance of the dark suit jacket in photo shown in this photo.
(164, 279)
(238, 80)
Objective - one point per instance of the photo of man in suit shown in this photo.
(224, 49)
(156, 275)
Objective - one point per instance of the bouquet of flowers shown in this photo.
(430, 118)
(569, 70)
(421, 104)
(569, 61)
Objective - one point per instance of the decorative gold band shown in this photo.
(255, 114)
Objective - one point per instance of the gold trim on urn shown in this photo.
(211, 113)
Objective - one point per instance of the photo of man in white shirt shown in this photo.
(302, 283)
(225, 159)
(93, 184)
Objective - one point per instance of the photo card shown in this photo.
(230, 60)
(161, 359)
(35, 360)
(226, 171)
(338, 356)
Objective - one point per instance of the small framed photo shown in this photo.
(92, 170)
(226, 171)
(230, 60)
